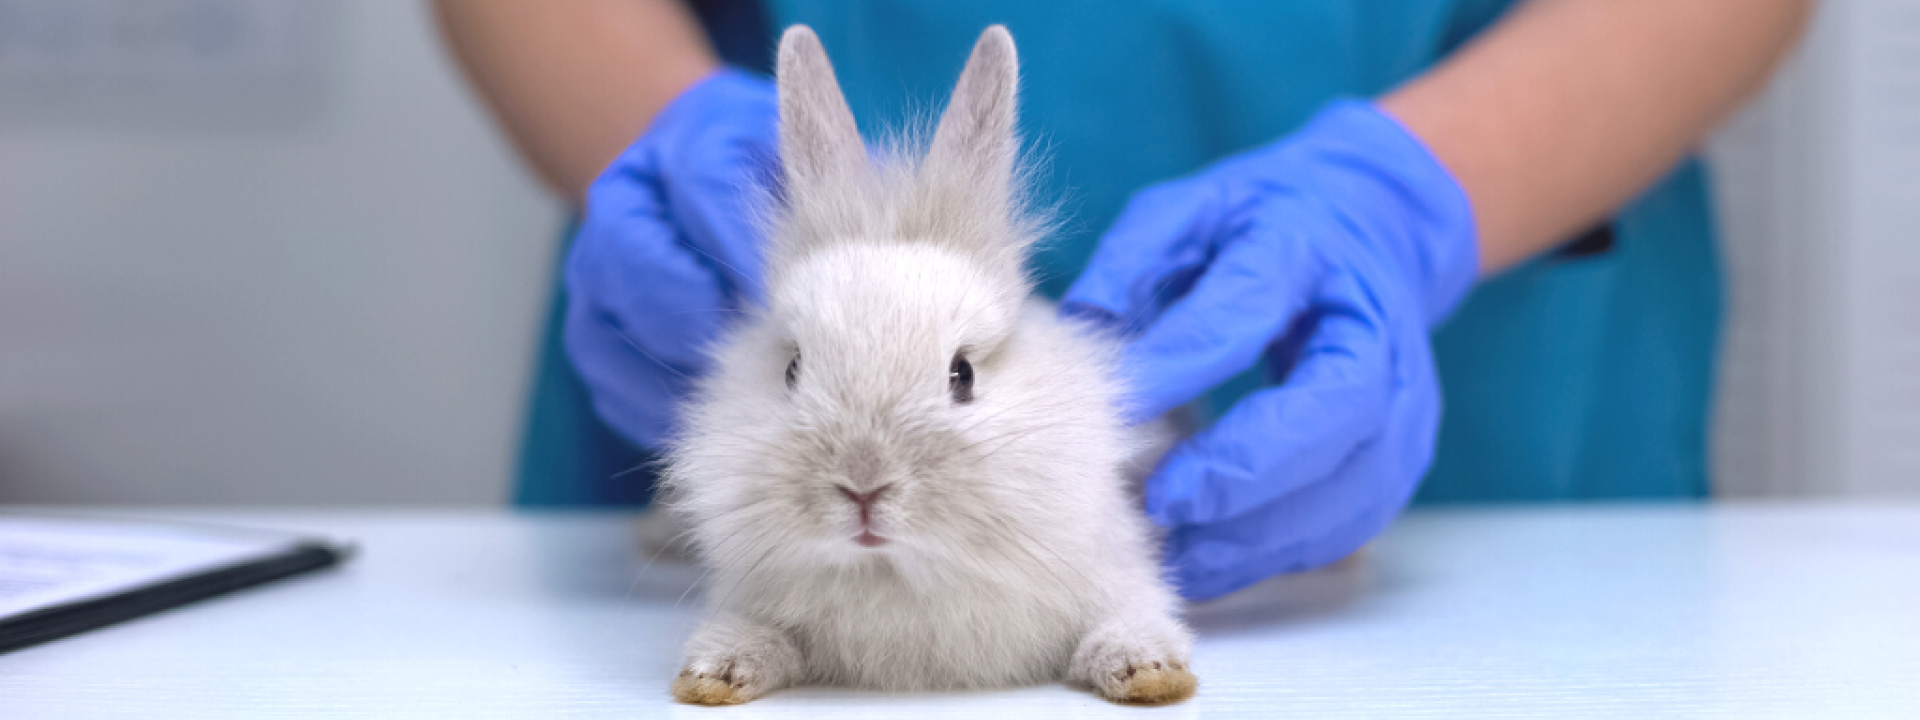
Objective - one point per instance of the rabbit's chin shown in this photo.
(925, 562)
(851, 551)
(915, 567)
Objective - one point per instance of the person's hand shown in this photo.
(1329, 254)
(667, 250)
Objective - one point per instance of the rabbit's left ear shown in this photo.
(975, 145)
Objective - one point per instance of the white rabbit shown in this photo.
(902, 472)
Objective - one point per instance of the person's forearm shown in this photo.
(1562, 112)
(574, 81)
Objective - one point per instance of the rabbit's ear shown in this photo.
(820, 146)
(975, 145)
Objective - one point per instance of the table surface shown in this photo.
(1741, 610)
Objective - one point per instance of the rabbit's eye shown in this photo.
(793, 372)
(960, 379)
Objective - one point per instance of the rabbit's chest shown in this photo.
(887, 635)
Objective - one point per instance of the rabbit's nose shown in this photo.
(864, 500)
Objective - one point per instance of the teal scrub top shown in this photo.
(1583, 374)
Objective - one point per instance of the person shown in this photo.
(1283, 206)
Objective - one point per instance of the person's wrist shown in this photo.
(719, 90)
(1371, 167)
(716, 103)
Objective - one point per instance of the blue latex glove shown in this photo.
(667, 251)
(1331, 254)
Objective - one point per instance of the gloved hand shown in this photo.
(667, 251)
(1331, 254)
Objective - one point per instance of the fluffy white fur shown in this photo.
(1015, 553)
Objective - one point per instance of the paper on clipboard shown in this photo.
(50, 562)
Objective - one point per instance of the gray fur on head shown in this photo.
(1010, 549)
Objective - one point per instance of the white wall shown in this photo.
(1819, 195)
(256, 251)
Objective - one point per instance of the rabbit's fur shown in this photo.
(1003, 546)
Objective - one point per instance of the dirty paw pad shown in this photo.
(712, 688)
(1154, 683)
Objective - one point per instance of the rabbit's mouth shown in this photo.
(865, 502)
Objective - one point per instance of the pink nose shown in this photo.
(864, 500)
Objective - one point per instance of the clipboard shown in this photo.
(61, 576)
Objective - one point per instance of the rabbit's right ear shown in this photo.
(820, 145)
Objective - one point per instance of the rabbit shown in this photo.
(903, 472)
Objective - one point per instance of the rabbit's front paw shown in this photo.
(722, 681)
(1127, 666)
(1148, 682)
(731, 660)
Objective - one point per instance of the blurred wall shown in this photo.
(1819, 199)
(256, 251)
